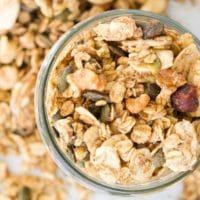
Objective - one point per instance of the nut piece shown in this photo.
(9, 10)
(64, 130)
(170, 79)
(67, 108)
(185, 99)
(166, 57)
(118, 29)
(151, 29)
(85, 79)
(136, 105)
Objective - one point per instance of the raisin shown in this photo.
(185, 99)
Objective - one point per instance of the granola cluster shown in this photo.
(123, 101)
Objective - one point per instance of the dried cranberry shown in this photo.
(185, 99)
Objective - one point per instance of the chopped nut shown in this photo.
(166, 57)
(64, 130)
(170, 79)
(67, 108)
(86, 116)
(80, 152)
(136, 105)
(85, 79)
(151, 29)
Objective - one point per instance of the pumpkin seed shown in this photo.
(24, 193)
(155, 67)
(95, 110)
(116, 50)
(105, 113)
(158, 159)
(63, 16)
(95, 96)
(62, 81)
(153, 90)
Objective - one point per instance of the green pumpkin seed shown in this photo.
(158, 159)
(105, 114)
(116, 50)
(62, 82)
(95, 96)
(63, 16)
(24, 193)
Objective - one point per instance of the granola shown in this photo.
(134, 97)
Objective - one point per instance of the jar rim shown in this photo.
(42, 122)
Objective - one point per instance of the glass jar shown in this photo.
(55, 55)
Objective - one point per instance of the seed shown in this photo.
(105, 114)
(153, 90)
(95, 96)
(151, 29)
(25, 193)
(62, 82)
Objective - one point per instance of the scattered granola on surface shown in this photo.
(27, 187)
(131, 101)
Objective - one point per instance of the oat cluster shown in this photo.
(124, 101)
